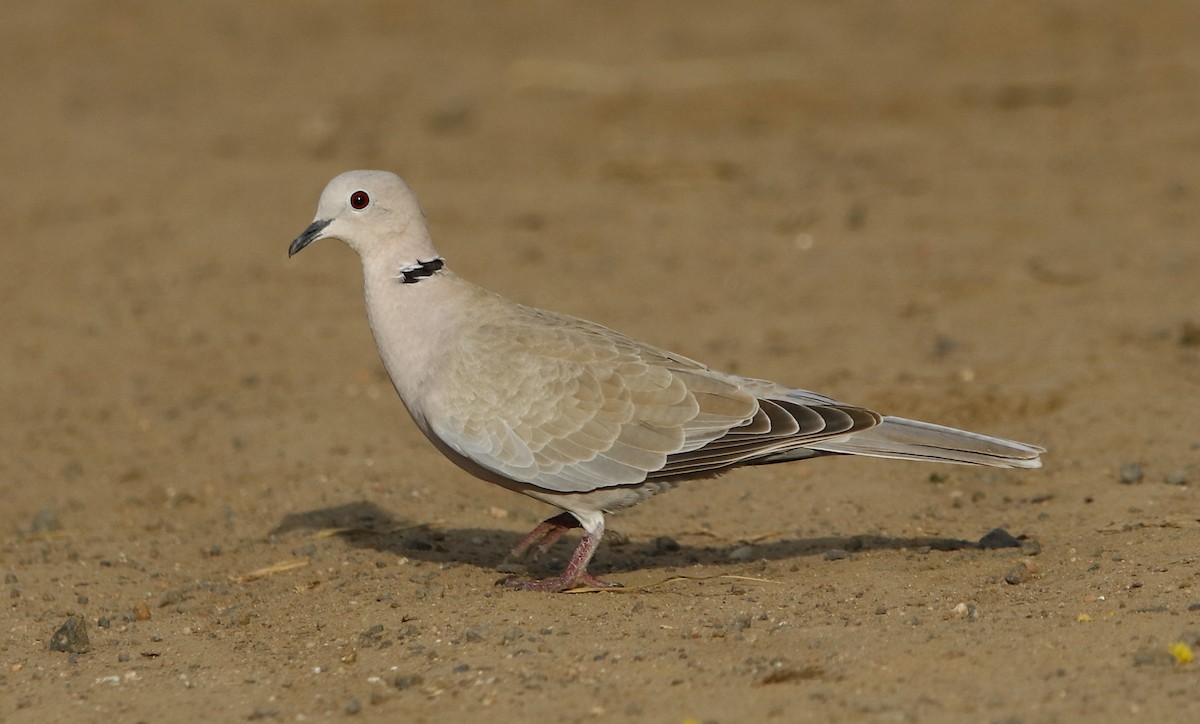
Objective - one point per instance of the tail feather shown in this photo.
(902, 439)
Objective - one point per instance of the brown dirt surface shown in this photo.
(982, 214)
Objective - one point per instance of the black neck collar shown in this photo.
(416, 272)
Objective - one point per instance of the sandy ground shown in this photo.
(982, 214)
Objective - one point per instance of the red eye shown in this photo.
(359, 200)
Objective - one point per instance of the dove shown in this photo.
(572, 413)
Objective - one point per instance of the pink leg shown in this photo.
(545, 535)
(576, 570)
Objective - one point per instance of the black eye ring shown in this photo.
(359, 200)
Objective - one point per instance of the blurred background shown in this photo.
(979, 213)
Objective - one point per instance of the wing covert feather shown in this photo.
(569, 406)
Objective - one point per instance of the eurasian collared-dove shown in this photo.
(572, 413)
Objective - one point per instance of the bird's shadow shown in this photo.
(363, 524)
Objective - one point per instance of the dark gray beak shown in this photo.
(309, 236)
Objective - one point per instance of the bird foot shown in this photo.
(576, 573)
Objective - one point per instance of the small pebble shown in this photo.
(1176, 477)
(453, 114)
(141, 611)
(618, 538)
(1131, 473)
(1019, 573)
(785, 674)
(354, 706)
(741, 623)
(44, 521)
(944, 346)
(836, 554)
(372, 634)
(856, 216)
(407, 681)
(998, 538)
(1189, 333)
(742, 553)
(171, 597)
(968, 611)
(474, 635)
(71, 637)
(1157, 658)
(665, 544)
